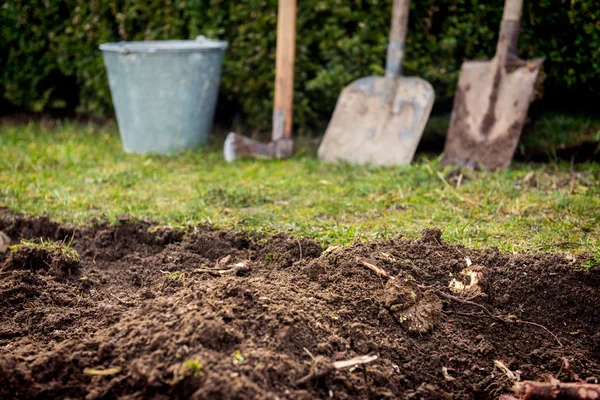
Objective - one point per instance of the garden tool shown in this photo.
(380, 120)
(281, 145)
(491, 101)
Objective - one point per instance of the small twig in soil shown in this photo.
(567, 367)
(337, 365)
(519, 321)
(102, 372)
(461, 301)
(239, 267)
(529, 390)
(300, 246)
(510, 374)
(379, 271)
(309, 353)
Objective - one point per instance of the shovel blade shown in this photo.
(378, 121)
(490, 109)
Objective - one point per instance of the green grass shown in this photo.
(62, 249)
(74, 173)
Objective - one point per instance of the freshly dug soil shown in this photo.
(146, 313)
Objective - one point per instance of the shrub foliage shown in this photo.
(50, 59)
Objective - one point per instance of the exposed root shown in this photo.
(505, 319)
(530, 390)
(447, 375)
(513, 376)
(337, 365)
(461, 301)
(518, 321)
(241, 267)
(476, 286)
(379, 271)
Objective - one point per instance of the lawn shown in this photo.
(76, 173)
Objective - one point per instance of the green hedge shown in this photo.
(50, 58)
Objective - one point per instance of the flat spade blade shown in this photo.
(491, 102)
(490, 109)
(378, 121)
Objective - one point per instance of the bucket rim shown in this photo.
(201, 44)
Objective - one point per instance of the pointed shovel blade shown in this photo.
(378, 121)
(490, 109)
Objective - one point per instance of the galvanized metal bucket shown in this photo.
(164, 92)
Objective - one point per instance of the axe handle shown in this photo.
(284, 70)
(395, 51)
(512, 10)
(506, 49)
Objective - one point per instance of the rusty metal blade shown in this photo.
(378, 121)
(490, 109)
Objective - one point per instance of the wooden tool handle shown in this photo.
(512, 10)
(284, 70)
(506, 49)
(395, 52)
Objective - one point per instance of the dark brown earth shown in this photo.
(140, 316)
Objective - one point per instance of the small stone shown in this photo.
(123, 218)
(4, 242)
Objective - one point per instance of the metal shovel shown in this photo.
(491, 101)
(380, 120)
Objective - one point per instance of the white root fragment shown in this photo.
(337, 365)
(379, 271)
(475, 285)
(513, 376)
(354, 361)
(447, 375)
(239, 267)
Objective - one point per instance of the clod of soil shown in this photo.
(54, 259)
(418, 310)
(4, 242)
(150, 315)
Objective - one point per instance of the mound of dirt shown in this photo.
(55, 260)
(205, 314)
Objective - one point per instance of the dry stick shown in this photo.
(530, 390)
(337, 365)
(510, 374)
(518, 321)
(379, 271)
(242, 266)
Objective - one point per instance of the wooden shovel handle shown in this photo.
(506, 49)
(512, 10)
(284, 70)
(395, 53)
